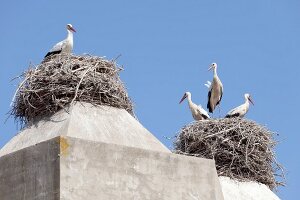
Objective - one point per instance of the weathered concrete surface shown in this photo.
(85, 121)
(74, 169)
(100, 153)
(91, 170)
(236, 190)
(31, 173)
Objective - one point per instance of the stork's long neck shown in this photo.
(215, 71)
(70, 35)
(189, 98)
(247, 102)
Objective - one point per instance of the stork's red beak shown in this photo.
(184, 96)
(72, 29)
(249, 98)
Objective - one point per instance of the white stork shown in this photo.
(215, 92)
(241, 110)
(197, 111)
(65, 46)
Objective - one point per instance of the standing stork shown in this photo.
(65, 46)
(197, 111)
(241, 110)
(215, 92)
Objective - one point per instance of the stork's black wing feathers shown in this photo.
(208, 102)
(233, 115)
(220, 97)
(52, 53)
(204, 116)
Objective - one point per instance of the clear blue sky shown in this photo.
(166, 48)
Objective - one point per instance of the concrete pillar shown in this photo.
(100, 153)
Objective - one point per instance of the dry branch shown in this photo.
(242, 149)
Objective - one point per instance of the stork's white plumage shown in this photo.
(65, 46)
(215, 92)
(241, 110)
(197, 111)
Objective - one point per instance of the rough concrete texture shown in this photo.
(236, 190)
(100, 153)
(31, 173)
(85, 121)
(74, 169)
(93, 170)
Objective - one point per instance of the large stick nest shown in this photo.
(60, 80)
(242, 149)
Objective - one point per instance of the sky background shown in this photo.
(166, 49)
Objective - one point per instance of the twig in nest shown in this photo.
(77, 87)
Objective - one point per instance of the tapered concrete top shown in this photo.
(88, 122)
(245, 190)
